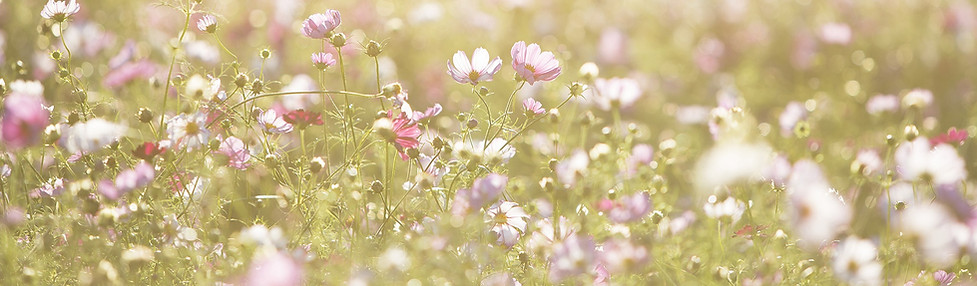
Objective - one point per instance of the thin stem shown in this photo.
(169, 74)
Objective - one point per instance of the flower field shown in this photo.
(492, 142)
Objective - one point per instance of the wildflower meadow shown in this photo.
(488, 142)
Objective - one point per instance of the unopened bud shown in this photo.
(316, 165)
(577, 89)
(373, 49)
(145, 115)
(338, 40)
(265, 53)
(376, 186)
(911, 132)
(472, 123)
(589, 71)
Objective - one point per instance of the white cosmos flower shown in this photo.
(728, 163)
(497, 151)
(188, 130)
(570, 169)
(271, 122)
(59, 10)
(199, 87)
(730, 208)
(854, 262)
(508, 221)
(615, 93)
(90, 136)
(818, 214)
(941, 164)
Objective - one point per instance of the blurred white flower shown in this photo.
(198, 87)
(393, 259)
(500, 279)
(572, 256)
(621, 256)
(260, 235)
(836, 33)
(793, 113)
(731, 208)
(570, 169)
(543, 237)
(817, 215)
(728, 163)
(882, 103)
(941, 164)
(917, 98)
(938, 235)
(854, 262)
(867, 162)
(90, 136)
(616, 93)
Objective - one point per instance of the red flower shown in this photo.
(147, 151)
(952, 137)
(302, 119)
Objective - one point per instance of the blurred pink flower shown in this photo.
(882, 103)
(532, 64)
(139, 176)
(793, 113)
(615, 93)
(943, 277)
(533, 107)
(951, 137)
(128, 72)
(302, 119)
(53, 187)
(275, 269)
(621, 256)
(321, 25)
(271, 122)
(709, 54)
(483, 191)
(626, 209)
(571, 257)
(236, 151)
(477, 70)
(836, 33)
(428, 113)
(508, 221)
(60, 10)
(24, 119)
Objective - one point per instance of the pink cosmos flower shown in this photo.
(508, 221)
(272, 123)
(430, 112)
(836, 33)
(275, 269)
(321, 25)
(484, 190)
(533, 107)
(236, 152)
(572, 256)
(24, 119)
(302, 119)
(943, 277)
(207, 23)
(323, 60)
(882, 103)
(60, 10)
(534, 65)
(148, 150)
(626, 209)
(53, 187)
(401, 131)
(477, 70)
(128, 72)
(616, 92)
(621, 256)
(139, 176)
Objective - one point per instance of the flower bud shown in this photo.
(316, 165)
(413, 153)
(376, 186)
(73, 118)
(656, 217)
(241, 80)
(391, 90)
(51, 134)
(911, 132)
(472, 123)
(577, 89)
(56, 55)
(264, 53)
(257, 86)
(271, 161)
(144, 115)
(373, 49)
(338, 40)
(484, 91)
(547, 184)
(589, 71)
(554, 115)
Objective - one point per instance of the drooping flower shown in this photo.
(272, 123)
(854, 262)
(302, 119)
(322, 60)
(207, 23)
(60, 10)
(24, 119)
(148, 150)
(533, 107)
(532, 64)
(477, 70)
(508, 221)
(321, 25)
(616, 93)
(939, 164)
(867, 162)
(90, 136)
(188, 130)
(236, 152)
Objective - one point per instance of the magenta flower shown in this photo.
(626, 209)
(323, 60)
(302, 119)
(320, 25)
(127, 72)
(401, 131)
(24, 119)
(271, 122)
(533, 107)
(477, 70)
(534, 65)
(236, 152)
(952, 137)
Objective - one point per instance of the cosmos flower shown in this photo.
(148, 150)
(323, 60)
(198, 87)
(882, 103)
(793, 113)
(24, 119)
(533, 107)
(626, 209)
(53, 187)
(60, 10)
(275, 269)
(137, 177)
(854, 262)
(188, 130)
(302, 119)
(90, 136)
(532, 64)
(477, 70)
(615, 93)
(270, 122)
(428, 113)
(321, 25)
(508, 221)
(939, 164)
(128, 72)
(867, 162)
(836, 33)
(621, 256)
(207, 23)
(943, 277)
(917, 98)
(951, 137)
(236, 152)
(544, 237)
(730, 209)
(496, 151)
(400, 131)
(483, 191)
(570, 169)
(572, 256)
